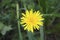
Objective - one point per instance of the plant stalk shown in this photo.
(18, 21)
(41, 33)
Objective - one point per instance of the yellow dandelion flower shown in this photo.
(32, 20)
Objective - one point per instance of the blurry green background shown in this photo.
(8, 21)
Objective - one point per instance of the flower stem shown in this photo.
(41, 33)
(19, 31)
(30, 35)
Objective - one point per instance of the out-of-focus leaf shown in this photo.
(1, 26)
(5, 29)
(4, 2)
(43, 5)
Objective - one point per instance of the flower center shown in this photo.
(31, 20)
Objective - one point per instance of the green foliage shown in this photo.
(8, 21)
(4, 28)
(1, 26)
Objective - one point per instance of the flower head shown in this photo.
(32, 20)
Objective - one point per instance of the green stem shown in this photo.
(19, 31)
(41, 33)
(30, 35)
(41, 29)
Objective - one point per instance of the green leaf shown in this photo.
(5, 29)
(1, 26)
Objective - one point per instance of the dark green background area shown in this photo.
(8, 20)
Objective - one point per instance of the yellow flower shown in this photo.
(32, 20)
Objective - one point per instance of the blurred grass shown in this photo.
(49, 8)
